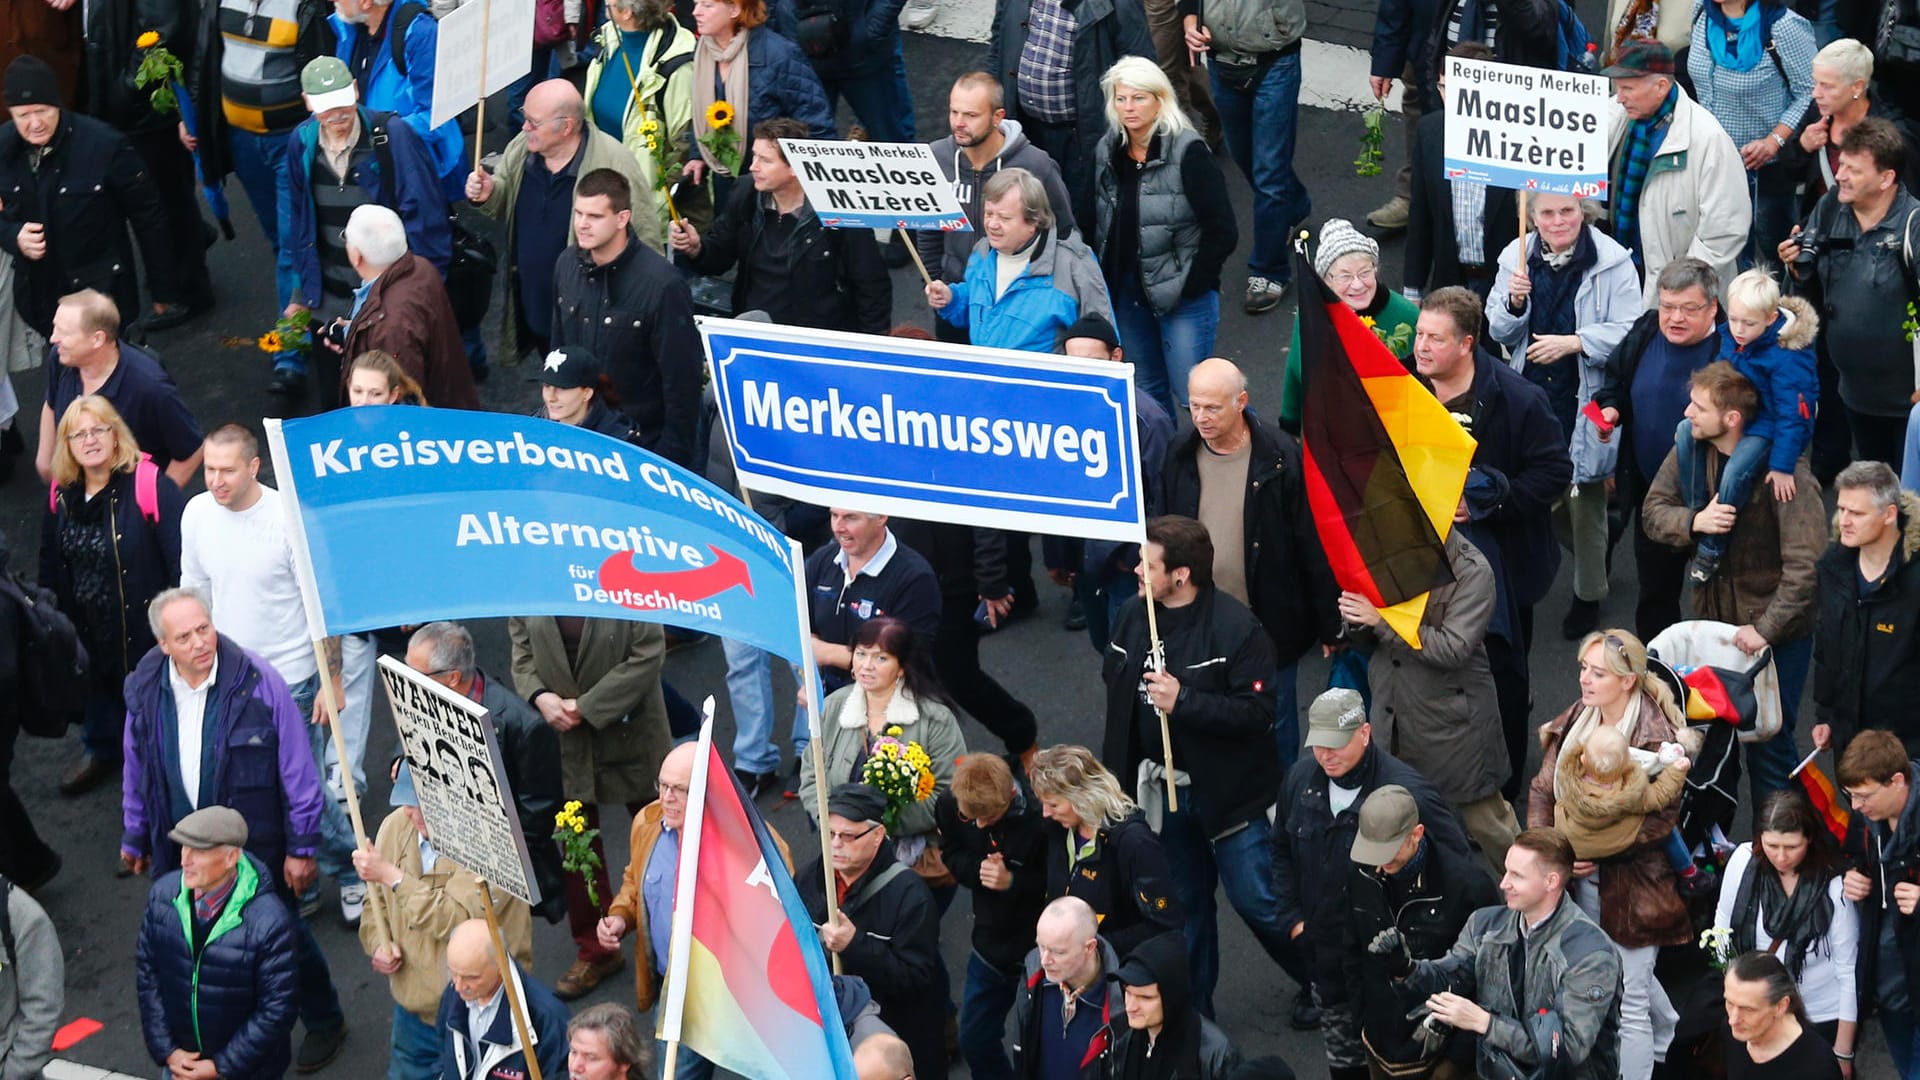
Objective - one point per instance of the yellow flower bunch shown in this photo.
(902, 771)
(576, 846)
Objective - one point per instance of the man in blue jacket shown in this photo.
(211, 724)
(1024, 286)
(344, 157)
(478, 1039)
(389, 48)
(215, 961)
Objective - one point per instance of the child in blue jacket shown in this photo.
(1769, 339)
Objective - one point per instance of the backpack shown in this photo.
(470, 269)
(52, 685)
(823, 28)
(397, 34)
(146, 490)
(1570, 38)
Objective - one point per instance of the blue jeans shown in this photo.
(1286, 715)
(416, 1048)
(875, 100)
(336, 832)
(1265, 154)
(903, 93)
(1770, 762)
(103, 727)
(1903, 1042)
(1242, 863)
(1910, 460)
(750, 688)
(319, 1003)
(1737, 478)
(984, 1005)
(258, 160)
(1164, 348)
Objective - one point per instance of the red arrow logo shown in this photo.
(619, 577)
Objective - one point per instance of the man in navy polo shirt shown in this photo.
(863, 574)
(93, 360)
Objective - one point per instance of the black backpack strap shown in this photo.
(403, 18)
(379, 135)
(667, 67)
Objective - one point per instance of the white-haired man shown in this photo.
(401, 308)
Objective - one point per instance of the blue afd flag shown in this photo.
(410, 514)
(924, 429)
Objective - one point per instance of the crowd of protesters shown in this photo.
(1715, 366)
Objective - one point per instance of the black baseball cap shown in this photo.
(568, 367)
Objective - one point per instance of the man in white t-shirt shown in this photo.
(234, 547)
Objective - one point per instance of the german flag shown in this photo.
(1827, 799)
(1385, 462)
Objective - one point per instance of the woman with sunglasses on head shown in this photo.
(110, 543)
(1631, 895)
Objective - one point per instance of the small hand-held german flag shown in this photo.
(1827, 800)
(1385, 461)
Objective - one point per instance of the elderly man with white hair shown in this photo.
(343, 157)
(401, 308)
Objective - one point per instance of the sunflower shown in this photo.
(147, 40)
(269, 342)
(719, 115)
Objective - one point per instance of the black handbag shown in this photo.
(470, 274)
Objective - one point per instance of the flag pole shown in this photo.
(509, 981)
(680, 945)
(285, 476)
(1156, 661)
(810, 693)
(1522, 200)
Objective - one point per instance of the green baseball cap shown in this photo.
(328, 84)
(1387, 818)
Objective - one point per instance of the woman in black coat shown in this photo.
(1115, 863)
(109, 544)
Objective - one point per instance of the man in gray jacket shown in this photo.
(983, 141)
(1564, 1004)
(32, 984)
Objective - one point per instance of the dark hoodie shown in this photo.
(1888, 855)
(1189, 1046)
(946, 253)
(1003, 920)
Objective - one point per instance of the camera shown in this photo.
(1810, 245)
(333, 335)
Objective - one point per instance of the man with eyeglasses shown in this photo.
(92, 358)
(887, 928)
(1644, 393)
(531, 191)
(443, 652)
(644, 905)
(1883, 851)
(596, 683)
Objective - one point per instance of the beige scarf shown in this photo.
(1583, 726)
(706, 61)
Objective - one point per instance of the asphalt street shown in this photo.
(225, 379)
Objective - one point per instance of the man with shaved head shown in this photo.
(478, 1038)
(883, 1057)
(644, 904)
(1069, 974)
(1242, 478)
(531, 190)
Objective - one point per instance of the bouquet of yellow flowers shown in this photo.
(158, 65)
(576, 846)
(902, 771)
(721, 140)
(290, 333)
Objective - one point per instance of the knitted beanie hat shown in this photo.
(1338, 237)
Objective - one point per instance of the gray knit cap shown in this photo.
(1338, 237)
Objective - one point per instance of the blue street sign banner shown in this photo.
(413, 514)
(924, 429)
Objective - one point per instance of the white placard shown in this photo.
(502, 31)
(460, 778)
(1528, 128)
(868, 185)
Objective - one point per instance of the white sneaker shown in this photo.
(918, 14)
(353, 900)
(1263, 294)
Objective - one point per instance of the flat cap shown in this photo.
(211, 827)
(857, 802)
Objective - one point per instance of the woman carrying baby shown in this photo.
(1782, 895)
(1630, 893)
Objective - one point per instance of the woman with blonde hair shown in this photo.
(109, 544)
(376, 378)
(1163, 227)
(1101, 849)
(1631, 895)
